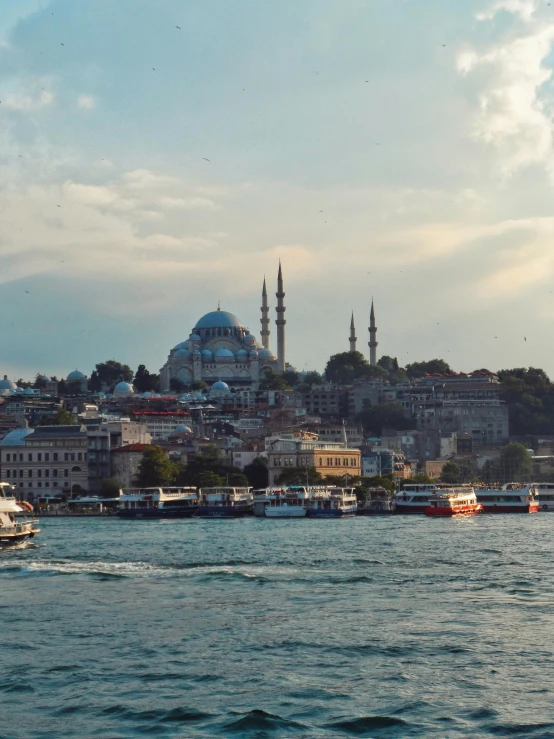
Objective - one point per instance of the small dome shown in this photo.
(43, 378)
(28, 391)
(224, 353)
(18, 391)
(197, 353)
(218, 319)
(182, 345)
(76, 375)
(16, 437)
(194, 337)
(254, 353)
(220, 387)
(147, 395)
(207, 355)
(266, 354)
(123, 388)
(6, 384)
(249, 339)
(182, 429)
(182, 353)
(242, 354)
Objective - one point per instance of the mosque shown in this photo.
(222, 352)
(220, 349)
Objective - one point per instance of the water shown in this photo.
(392, 627)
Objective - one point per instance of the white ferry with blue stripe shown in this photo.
(333, 503)
(225, 502)
(155, 503)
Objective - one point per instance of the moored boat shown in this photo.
(545, 496)
(333, 503)
(286, 502)
(16, 526)
(377, 507)
(514, 497)
(453, 502)
(225, 502)
(156, 503)
(414, 498)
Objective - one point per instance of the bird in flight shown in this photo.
(179, 27)
(525, 338)
(59, 206)
(206, 160)
(153, 69)
(27, 292)
(62, 44)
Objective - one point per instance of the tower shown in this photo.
(280, 322)
(372, 337)
(265, 319)
(353, 338)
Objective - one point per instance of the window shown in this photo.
(20, 457)
(66, 457)
(40, 484)
(55, 456)
(7, 457)
(7, 473)
(79, 457)
(46, 484)
(54, 473)
(72, 457)
(29, 473)
(39, 457)
(46, 473)
(20, 473)
(46, 457)
(66, 473)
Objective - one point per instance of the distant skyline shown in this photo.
(159, 156)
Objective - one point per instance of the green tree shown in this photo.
(387, 415)
(110, 487)
(178, 386)
(155, 469)
(111, 372)
(94, 384)
(209, 462)
(421, 479)
(313, 378)
(199, 386)
(144, 381)
(290, 376)
(61, 418)
(209, 479)
(274, 381)
(40, 382)
(432, 367)
(451, 473)
(348, 367)
(299, 476)
(257, 473)
(377, 481)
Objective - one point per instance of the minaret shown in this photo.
(265, 319)
(353, 338)
(280, 322)
(372, 337)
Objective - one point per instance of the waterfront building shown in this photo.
(162, 424)
(50, 459)
(102, 438)
(327, 458)
(125, 463)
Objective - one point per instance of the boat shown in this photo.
(225, 502)
(16, 525)
(545, 495)
(333, 503)
(377, 507)
(156, 503)
(513, 497)
(414, 497)
(285, 502)
(453, 502)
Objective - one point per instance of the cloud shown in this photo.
(524, 8)
(29, 102)
(514, 107)
(86, 102)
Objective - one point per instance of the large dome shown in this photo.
(219, 319)
(16, 437)
(6, 384)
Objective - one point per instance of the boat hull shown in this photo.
(285, 512)
(333, 513)
(154, 514)
(470, 510)
(404, 508)
(215, 511)
(7, 540)
(517, 508)
(364, 512)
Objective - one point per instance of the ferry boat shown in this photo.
(453, 502)
(545, 496)
(16, 523)
(333, 503)
(225, 502)
(287, 502)
(155, 503)
(414, 498)
(377, 507)
(514, 497)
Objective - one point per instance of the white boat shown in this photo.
(154, 503)
(453, 502)
(414, 498)
(545, 495)
(285, 502)
(16, 523)
(225, 502)
(333, 503)
(513, 497)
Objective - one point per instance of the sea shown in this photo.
(367, 627)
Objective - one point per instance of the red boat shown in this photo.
(448, 503)
(514, 497)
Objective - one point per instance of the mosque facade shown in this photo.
(221, 349)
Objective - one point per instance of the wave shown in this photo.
(523, 730)
(258, 721)
(174, 715)
(366, 723)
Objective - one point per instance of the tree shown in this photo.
(144, 381)
(94, 384)
(432, 367)
(199, 385)
(209, 463)
(299, 476)
(377, 481)
(40, 382)
(290, 376)
(208, 479)
(257, 473)
(313, 378)
(155, 469)
(178, 386)
(111, 372)
(61, 418)
(110, 487)
(388, 415)
(421, 479)
(274, 381)
(348, 367)
(451, 473)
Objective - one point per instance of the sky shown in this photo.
(160, 156)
